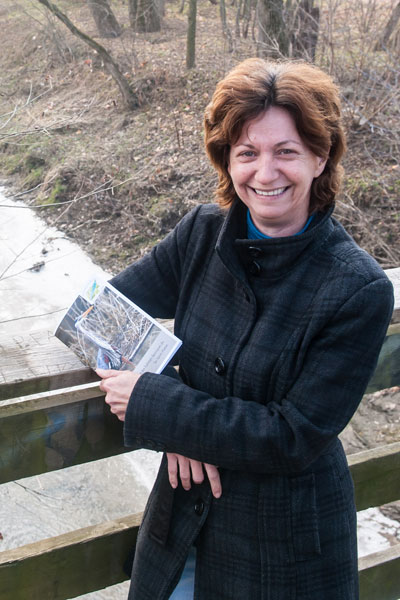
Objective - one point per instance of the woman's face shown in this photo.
(272, 171)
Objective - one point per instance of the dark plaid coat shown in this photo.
(280, 337)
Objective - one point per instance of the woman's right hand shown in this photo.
(187, 469)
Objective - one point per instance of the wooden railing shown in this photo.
(41, 380)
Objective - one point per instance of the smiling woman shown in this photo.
(272, 170)
(273, 301)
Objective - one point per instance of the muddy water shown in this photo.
(40, 273)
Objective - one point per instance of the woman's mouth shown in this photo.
(276, 192)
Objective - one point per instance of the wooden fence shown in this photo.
(40, 382)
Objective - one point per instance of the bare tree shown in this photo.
(107, 24)
(145, 15)
(303, 17)
(112, 67)
(226, 32)
(191, 35)
(243, 15)
(272, 38)
(389, 33)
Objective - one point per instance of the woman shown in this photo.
(282, 317)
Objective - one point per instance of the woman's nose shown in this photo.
(266, 170)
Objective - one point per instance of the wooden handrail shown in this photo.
(379, 575)
(93, 557)
(376, 475)
(70, 564)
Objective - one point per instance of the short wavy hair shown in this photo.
(306, 92)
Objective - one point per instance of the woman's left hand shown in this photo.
(118, 386)
(187, 468)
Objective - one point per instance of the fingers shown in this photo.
(187, 469)
(118, 387)
(172, 469)
(197, 471)
(106, 373)
(214, 479)
(118, 409)
(184, 471)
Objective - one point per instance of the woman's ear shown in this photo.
(320, 165)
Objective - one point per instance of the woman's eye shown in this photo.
(286, 151)
(247, 153)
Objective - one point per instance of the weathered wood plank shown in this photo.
(36, 385)
(376, 475)
(394, 276)
(387, 372)
(26, 404)
(50, 437)
(380, 575)
(38, 362)
(71, 564)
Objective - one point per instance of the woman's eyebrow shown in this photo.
(282, 143)
(246, 144)
(287, 142)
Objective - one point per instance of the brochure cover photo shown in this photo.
(108, 331)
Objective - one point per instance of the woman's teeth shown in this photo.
(270, 193)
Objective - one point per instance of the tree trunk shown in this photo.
(305, 30)
(145, 15)
(246, 17)
(128, 95)
(389, 29)
(226, 32)
(132, 10)
(107, 24)
(272, 38)
(191, 35)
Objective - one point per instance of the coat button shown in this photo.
(254, 268)
(219, 366)
(199, 507)
(255, 252)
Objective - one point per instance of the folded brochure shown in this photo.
(106, 330)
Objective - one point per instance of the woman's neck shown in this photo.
(253, 233)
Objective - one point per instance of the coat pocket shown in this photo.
(304, 518)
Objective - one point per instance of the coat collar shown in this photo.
(269, 258)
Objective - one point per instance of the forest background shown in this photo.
(102, 102)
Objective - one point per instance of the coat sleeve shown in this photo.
(285, 437)
(153, 282)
